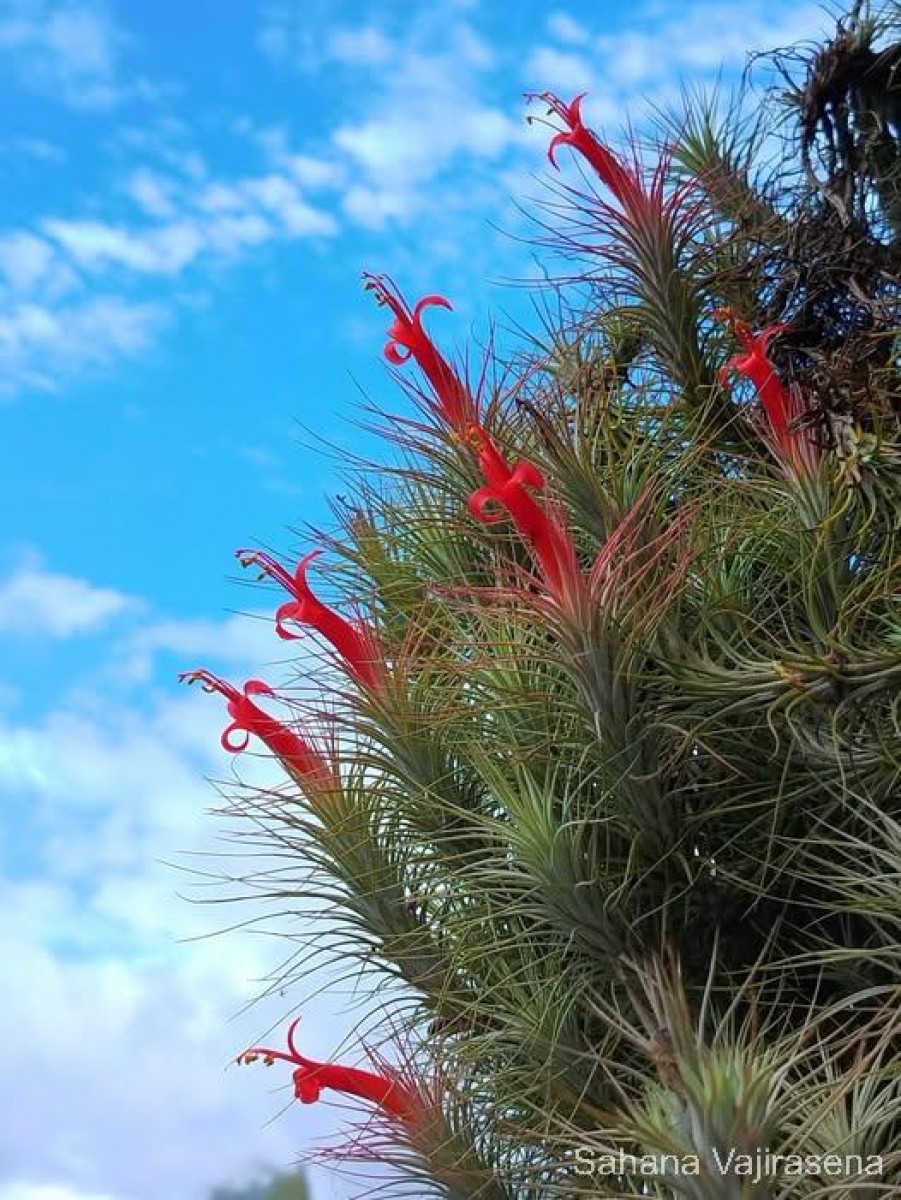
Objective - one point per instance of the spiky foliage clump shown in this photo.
(619, 805)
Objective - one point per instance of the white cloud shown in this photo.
(309, 171)
(122, 1078)
(418, 108)
(232, 235)
(29, 263)
(162, 250)
(36, 601)
(126, 1012)
(363, 47)
(40, 345)
(701, 38)
(39, 149)
(67, 286)
(275, 36)
(313, 172)
(152, 192)
(632, 57)
(305, 36)
(280, 196)
(65, 48)
(246, 642)
(219, 196)
(565, 29)
(373, 207)
(123, 1033)
(76, 760)
(549, 69)
(424, 118)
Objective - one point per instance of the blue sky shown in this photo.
(191, 192)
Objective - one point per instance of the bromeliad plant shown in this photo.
(613, 784)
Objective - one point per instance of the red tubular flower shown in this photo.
(774, 395)
(783, 406)
(356, 644)
(625, 184)
(407, 339)
(548, 536)
(248, 718)
(776, 398)
(385, 1091)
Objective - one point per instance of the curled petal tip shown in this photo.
(289, 1037)
(527, 474)
(287, 612)
(257, 687)
(559, 139)
(302, 589)
(430, 302)
(478, 506)
(574, 109)
(228, 742)
(308, 558)
(396, 355)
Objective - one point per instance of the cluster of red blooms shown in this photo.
(507, 488)
(511, 490)
(782, 405)
(357, 647)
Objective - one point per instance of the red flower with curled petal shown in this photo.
(385, 1091)
(758, 368)
(625, 184)
(547, 535)
(248, 718)
(774, 395)
(357, 644)
(407, 339)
